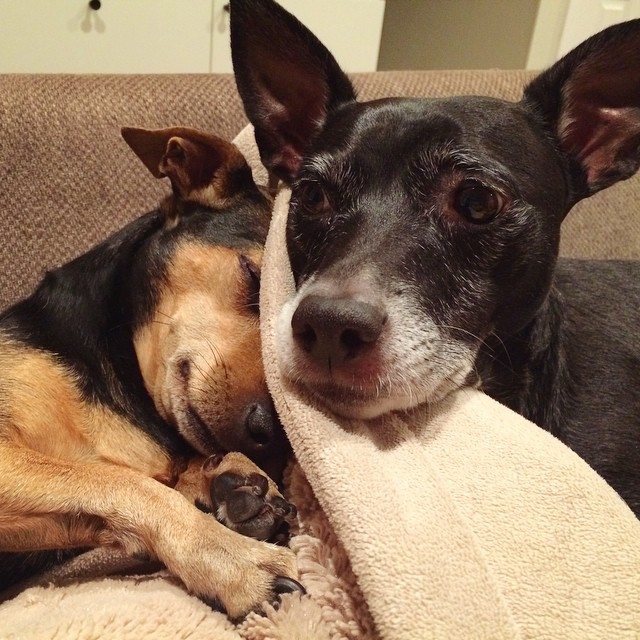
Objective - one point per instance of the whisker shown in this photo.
(167, 324)
(250, 306)
(201, 390)
(120, 326)
(216, 353)
(199, 368)
(504, 348)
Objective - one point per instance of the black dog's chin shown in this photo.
(360, 404)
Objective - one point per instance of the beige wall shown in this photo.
(457, 34)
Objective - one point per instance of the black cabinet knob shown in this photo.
(95, 4)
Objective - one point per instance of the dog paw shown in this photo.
(226, 569)
(244, 499)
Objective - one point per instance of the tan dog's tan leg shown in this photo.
(48, 503)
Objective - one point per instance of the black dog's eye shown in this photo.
(312, 198)
(251, 272)
(478, 203)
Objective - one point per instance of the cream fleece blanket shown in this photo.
(456, 521)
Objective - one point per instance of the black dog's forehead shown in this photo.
(386, 137)
(391, 167)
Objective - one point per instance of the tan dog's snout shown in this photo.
(256, 423)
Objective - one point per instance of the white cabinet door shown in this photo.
(587, 17)
(350, 29)
(562, 25)
(164, 36)
(122, 36)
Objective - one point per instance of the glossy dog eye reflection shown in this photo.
(312, 198)
(477, 203)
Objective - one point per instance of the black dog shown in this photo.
(423, 237)
(129, 364)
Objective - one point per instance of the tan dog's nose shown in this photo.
(261, 424)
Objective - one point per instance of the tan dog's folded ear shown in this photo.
(149, 145)
(192, 160)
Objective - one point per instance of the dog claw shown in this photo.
(283, 585)
(284, 509)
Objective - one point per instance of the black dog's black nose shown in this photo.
(334, 330)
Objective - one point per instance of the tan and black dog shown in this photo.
(129, 365)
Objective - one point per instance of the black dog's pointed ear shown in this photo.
(590, 100)
(287, 79)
